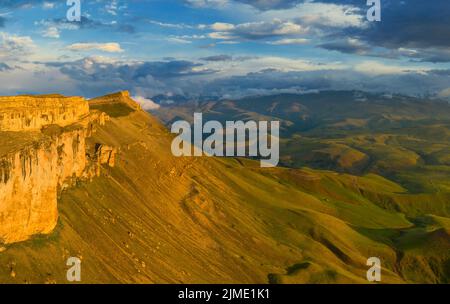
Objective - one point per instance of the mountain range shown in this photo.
(362, 176)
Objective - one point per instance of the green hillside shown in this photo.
(405, 139)
(154, 218)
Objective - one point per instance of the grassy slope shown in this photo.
(156, 218)
(405, 139)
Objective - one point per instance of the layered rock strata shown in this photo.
(28, 113)
(43, 150)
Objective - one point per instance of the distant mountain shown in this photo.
(171, 99)
(142, 215)
(399, 137)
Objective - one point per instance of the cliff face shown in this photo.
(43, 150)
(122, 98)
(29, 183)
(26, 113)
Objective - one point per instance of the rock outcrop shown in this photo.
(43, 150)
(27, 113)
(106, 155)
(122, 97)
(29, 183)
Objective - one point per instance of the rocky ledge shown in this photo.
(43, 150)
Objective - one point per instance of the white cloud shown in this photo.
(256, 30)
(220, 26)
(51, 32)
(48, 5)
(111, 47)
(289, 41)
(256, 64)
(379, 68)
(444, 93)
(13, 46)
(178, 40)
(38, 79)
(111, 7)
(321, 14)
(146, 104)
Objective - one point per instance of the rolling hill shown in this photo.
(406, 139)
(154, 218)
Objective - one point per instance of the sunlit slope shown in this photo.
(158, 219)
(403, 138)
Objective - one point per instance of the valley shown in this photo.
(406, 139)
(150, 217)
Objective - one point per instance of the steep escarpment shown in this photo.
(26, 113)
(29, 182)
(146, 216)
(116, 104)
(43, 150)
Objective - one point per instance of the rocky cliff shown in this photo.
(119, 98)
(156, 218)
(25, 113)
(43, 150)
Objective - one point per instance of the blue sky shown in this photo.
(223, 48)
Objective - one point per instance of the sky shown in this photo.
(224, 48)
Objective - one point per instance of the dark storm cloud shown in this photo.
(412, 24)
(423, 26)
(445, 73)
(166, 69)
(95, 76)
(361, 48)
(415, 28)
(217, 58)
(101, 70)
(273, 82)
